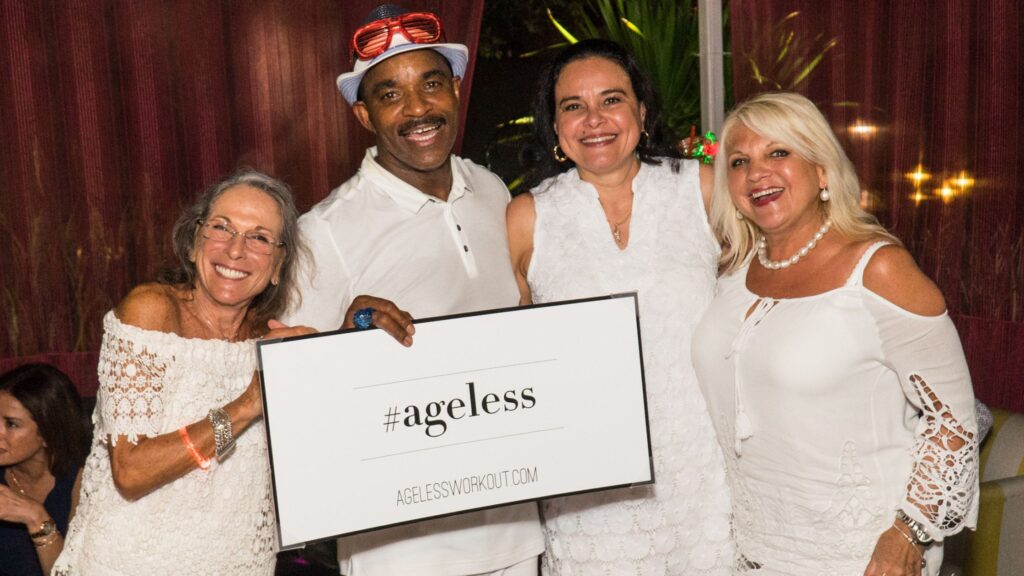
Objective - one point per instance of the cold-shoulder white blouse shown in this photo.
(833, 411)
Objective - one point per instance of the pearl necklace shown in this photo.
(762, 250)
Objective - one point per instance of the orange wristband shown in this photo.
(203, 463)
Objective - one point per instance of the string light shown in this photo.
(963, 181)
(918, 176)
(958, 185)
(863, 129)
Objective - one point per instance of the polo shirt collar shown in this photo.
(404, 194)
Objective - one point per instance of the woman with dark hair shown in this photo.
(41, 454)
(654, 143)
(177, 481)
(619, 212)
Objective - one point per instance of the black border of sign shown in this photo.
(643, 385)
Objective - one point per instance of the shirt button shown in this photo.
(459, 227)
(466, 248)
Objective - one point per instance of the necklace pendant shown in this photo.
(616, 233)
(17, 484)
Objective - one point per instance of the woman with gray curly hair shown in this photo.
(177, 480)
(835, 378)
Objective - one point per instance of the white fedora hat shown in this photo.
(348, 83)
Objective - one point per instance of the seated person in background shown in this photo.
(41, 454)
(177, 482)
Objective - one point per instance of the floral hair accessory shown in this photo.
(703, 148)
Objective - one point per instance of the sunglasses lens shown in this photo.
(421, 29)
(371, 40)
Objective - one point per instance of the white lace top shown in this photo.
(680, 525)
(219, 521)
(833, 411)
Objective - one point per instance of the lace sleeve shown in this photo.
(925, 353)
(132, 375)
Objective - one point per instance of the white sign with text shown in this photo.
(483, 410)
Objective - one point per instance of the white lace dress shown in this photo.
(679, 525)
(214, 522)
(833, 411)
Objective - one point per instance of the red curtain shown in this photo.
(114, 114)
(930, 84)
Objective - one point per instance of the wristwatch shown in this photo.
(45, 529)
(921, 537)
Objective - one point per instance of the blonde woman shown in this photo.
(833, 374)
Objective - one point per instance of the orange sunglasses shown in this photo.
(374, 38)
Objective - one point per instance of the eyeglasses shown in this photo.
(258, 242)
(374, 38)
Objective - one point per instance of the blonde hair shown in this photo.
(795, 122)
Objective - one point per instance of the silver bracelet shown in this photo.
(920, 536)
(223, 438)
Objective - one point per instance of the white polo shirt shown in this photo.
(379, 236)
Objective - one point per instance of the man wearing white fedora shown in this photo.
(426, 229)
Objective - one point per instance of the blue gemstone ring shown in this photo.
(363, 318)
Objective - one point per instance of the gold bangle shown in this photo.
(909, 539)
(50, 540)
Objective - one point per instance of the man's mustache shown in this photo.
(425, 121)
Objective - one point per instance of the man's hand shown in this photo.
(386, 316)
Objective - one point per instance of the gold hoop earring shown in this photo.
(645, 138)
(559, 155)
